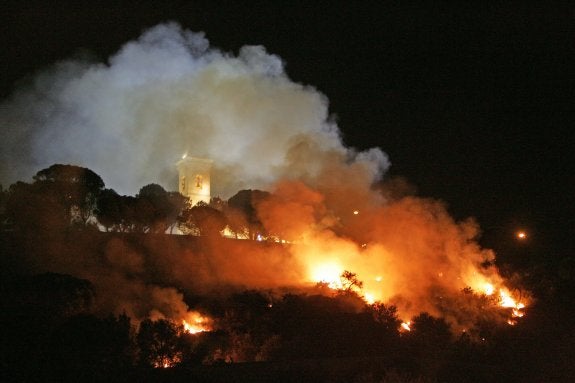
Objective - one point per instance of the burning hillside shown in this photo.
(408, 252)
(169, 93)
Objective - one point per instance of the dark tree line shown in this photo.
(62, 197)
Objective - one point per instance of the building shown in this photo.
(194, 178)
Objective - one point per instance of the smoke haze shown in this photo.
(170, 93)
(166, 94)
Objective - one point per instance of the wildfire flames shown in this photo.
(196, 323)
(405, 326)
(331, 206)
(328, 273)
(332, 275)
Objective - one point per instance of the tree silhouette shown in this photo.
(210, 221)
(386, 315)
(243, 204)
(350, 282)
(109, 210)
(159, 344)
(77, 188)
(177, 203)
(153, 207)
(429, 335)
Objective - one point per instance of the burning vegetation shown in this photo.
(332, 260)
(396, 276)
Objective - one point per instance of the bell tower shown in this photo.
(194, 178)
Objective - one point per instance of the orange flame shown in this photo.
(328, 273)
(196, 323)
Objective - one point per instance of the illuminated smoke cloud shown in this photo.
(166, 94)
(169, 93)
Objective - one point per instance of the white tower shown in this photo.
(194, 178)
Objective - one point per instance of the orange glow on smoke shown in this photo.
(328, 273)
(369, 298)
(406, 252)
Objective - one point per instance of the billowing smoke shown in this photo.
(166, 94)
(169, 93)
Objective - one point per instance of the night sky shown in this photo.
(473, 104)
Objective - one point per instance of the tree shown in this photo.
(429, 335)
(157, 209)
(153, 208)
(121, 213)
(350, 282)
(386, 315)
(177, 203)
(159, 344)
(60, 196)
(77, 188)
(209, 221)
(109, 210)
(244, 203)
(237, 223)
(186, 222)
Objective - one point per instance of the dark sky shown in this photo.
(473, 104)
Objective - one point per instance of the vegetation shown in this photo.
(53, 328)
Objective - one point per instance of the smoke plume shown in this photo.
(166, 94)
(170, 93)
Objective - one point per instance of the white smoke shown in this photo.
(169, 93)
(166, 94)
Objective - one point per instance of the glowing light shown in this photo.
(328, 273)
(506, 300)
(196, 323)
(184, 156)
(406, 326)
(488, 289)
(521, 235)
(378, 279)
(369, 298)
(355, 212)
(167, 361)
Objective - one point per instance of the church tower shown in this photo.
(194, 178)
